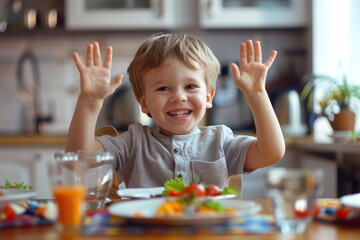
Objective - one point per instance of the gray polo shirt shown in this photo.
(146, 158)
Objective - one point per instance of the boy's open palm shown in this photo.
(95, 77)
(252, 74)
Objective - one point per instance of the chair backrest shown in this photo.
(111, 131)
(235, 181)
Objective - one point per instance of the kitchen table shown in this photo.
(316, 230)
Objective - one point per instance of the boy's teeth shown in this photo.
(180, 113)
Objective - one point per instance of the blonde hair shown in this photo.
(162, 47)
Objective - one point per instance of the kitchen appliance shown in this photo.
(229, 105)
(122, 109)
(290, 113)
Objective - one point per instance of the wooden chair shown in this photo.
(234, 181)
(111, 131)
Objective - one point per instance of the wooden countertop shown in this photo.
(308, 143)
(32, 140)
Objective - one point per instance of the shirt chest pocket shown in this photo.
(210, 172)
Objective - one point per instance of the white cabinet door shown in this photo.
(120, 14)
(28, 165)
(252, 13)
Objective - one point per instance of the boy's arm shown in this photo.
(250, 79)
(95, 85)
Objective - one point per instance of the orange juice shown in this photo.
(70, 201)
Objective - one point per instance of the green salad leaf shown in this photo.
(20, 185)
(228, 190)
(177, 184)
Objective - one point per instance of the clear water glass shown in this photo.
(293, 194)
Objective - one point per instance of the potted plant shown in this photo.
(339, 100)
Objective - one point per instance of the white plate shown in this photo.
(147, 208)
(14, 195)
(352, 201)
(142, 193)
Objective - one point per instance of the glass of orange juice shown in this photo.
(69, 189)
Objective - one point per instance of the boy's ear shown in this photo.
(209, 97)
(143, 105)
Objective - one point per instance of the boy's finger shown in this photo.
(271, 59)
(89, 55)
(97, 55)
(116, 82)
(77, 60)
(243, 58)
(258, 57)
(108, 58)
(250, 51)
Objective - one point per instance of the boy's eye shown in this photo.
(191, 86)
(163, 89)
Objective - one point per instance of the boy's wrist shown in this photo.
(91, 103)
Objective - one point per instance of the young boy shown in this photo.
(173, 78)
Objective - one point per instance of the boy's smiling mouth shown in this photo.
(182, 113)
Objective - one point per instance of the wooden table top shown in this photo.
(316, 230)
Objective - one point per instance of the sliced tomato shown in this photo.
(212, 190)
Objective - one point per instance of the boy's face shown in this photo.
(176, 97)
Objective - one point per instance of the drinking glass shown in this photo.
(99, 177)
(293, 193)
(67, 175)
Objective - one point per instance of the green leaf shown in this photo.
(177, 184)
(214, 205)
(21, 185)
(229, 190)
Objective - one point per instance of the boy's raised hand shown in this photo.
(252, 74)
(95, 77)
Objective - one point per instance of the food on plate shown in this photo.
(178, 187)
(192, 199)
(21, 185)
(192, 206)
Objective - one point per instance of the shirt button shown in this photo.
(176, 150)
(179, 175)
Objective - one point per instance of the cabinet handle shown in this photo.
(159, 7)
(208, 8)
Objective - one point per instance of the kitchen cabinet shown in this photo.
(252, 13)
(28, 165)
(120, 14)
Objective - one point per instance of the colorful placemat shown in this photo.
(332, 211)
(102, 223)
(28, 213)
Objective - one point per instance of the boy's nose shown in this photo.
(178, 96)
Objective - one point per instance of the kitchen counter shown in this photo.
(305, 143)
(32, 140)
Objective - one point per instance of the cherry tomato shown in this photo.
(174, 193)
(212, 190)
(195, 190)
(343, 213)
(9, 212)
(302, 213)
